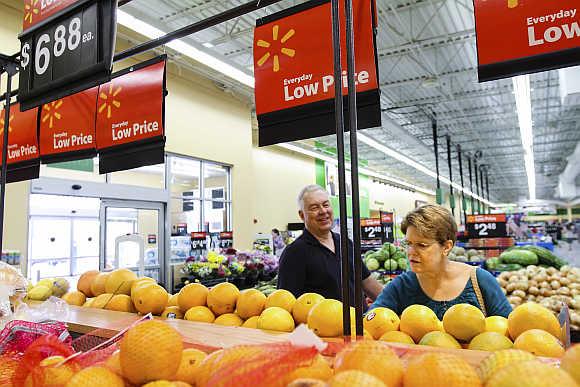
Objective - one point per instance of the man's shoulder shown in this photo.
(296, 248)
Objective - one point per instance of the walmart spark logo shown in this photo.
(2, 122)
(109, 100)
(51, 112)
(284, 50)
(30, 9)
(512, 3)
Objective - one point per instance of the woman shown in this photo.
(278, 242)
(434, 280)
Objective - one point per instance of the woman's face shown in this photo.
(425, 254)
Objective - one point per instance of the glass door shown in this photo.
(133, 236)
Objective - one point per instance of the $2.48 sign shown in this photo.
(486, 226)
(371, 229)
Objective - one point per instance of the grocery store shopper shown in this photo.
(435, 281)
(310, 263)
(278, 242)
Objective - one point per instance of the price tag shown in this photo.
(387, 222)
(199, 241)
(486, 226)
(226, 240)
(68, 52)
(371, 233)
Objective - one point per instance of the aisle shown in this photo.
(572, 256)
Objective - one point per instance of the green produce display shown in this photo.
(521, 257)
(373, 264)
(389, 257)
(492, 263)
(402, 263)
(545, 256)
(508, 267)
(391, 264)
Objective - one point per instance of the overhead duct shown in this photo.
(567, 188)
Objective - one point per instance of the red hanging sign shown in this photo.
(524, 36)
(294, 72)
(36, 11)
(22, 139)
(68, 125)
(497, 218)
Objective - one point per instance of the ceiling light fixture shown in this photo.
(151, 32)
(521, 85)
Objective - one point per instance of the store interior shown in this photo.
(507, 148)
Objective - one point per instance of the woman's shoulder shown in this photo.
(484, 276)
(406, 280)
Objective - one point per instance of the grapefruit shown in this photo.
(191, 295)
(222, 298)
(439, 339)
(397, 337)
(440, 370)
(229, 319)
(540, 343)
(49, 374)
(252, 322)
(372, 357)
(85, 281)
(173, 300)
(276, 319)
(150, 299)
(250, 303)
(355, 378)
(150, 351)
(490, 341)
(200, 314)
(500, 359)
(121, 303)
(318, 368)
(113, 362)
(75, 298)
(96, 376)
(571, 362)
(281, 298)
(224, 358)
(190, 360)
(418, 320)
(101, 301)
(141, 281)
(464, 321)
(98, 284)
(380, 321)
(120, 281)
(530, 374)
(303, 305)
(532, 316)
(325, 318)
(497, 324)
(172, 312)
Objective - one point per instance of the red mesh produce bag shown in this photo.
(253, 365)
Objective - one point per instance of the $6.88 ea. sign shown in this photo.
(64, 38)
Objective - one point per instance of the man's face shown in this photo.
(317, 212)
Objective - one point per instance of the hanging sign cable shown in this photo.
(451, 197)
(463, 202)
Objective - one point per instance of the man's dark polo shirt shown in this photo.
(308, 266)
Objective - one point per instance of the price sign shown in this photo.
(199, 241)
(68, 52)
(371, 229)
(486, 226)
(226, 240)
(387, 224)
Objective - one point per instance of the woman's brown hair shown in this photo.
(433, 222)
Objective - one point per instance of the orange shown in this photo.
(252, 322)
(380, 321)
(120, 281)
(355, 378)
(317, 368)
(190, 361)
(531, 374)
(172, 312)
(96, 376)
(229, 319)
(418, 320)
(150, 351)
(307, 382)
(372, 357)
(464, 321)
(325, 318)
(439, 339)
(276, 319)
(166, 383)
(303, 305)
(250, 303)
(173, 300)
(121, 303)
(101, 301)
(397, 337)
(497, 324)
(150, 299)
(224, 358)
(496, 361)
(490, 341)
(222, 298)
(192, 295)
(200, 314)
(440, 370)
(113, 362)
(98, 284)
(141, 281)
(75, 298)
(571, 362)
(532, 316)
(281, 298)
(49, 374)
(85, 281)
(540, 343)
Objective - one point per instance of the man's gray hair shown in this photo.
(306, 190)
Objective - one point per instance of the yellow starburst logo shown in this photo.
(50, 112)
(30, 9)
(275, 53)
(2, 123)
(109, 100)
(512, 3)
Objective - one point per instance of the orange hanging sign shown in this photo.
(22, 139)
(36, 11)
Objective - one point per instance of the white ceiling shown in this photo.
(427, 65)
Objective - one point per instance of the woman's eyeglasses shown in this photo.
(419, 246)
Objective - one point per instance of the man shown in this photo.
(311, 263)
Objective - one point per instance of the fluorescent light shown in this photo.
(207, 44)
(151, 32)
(521, 85)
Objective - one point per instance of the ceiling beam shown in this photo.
(430, 43)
